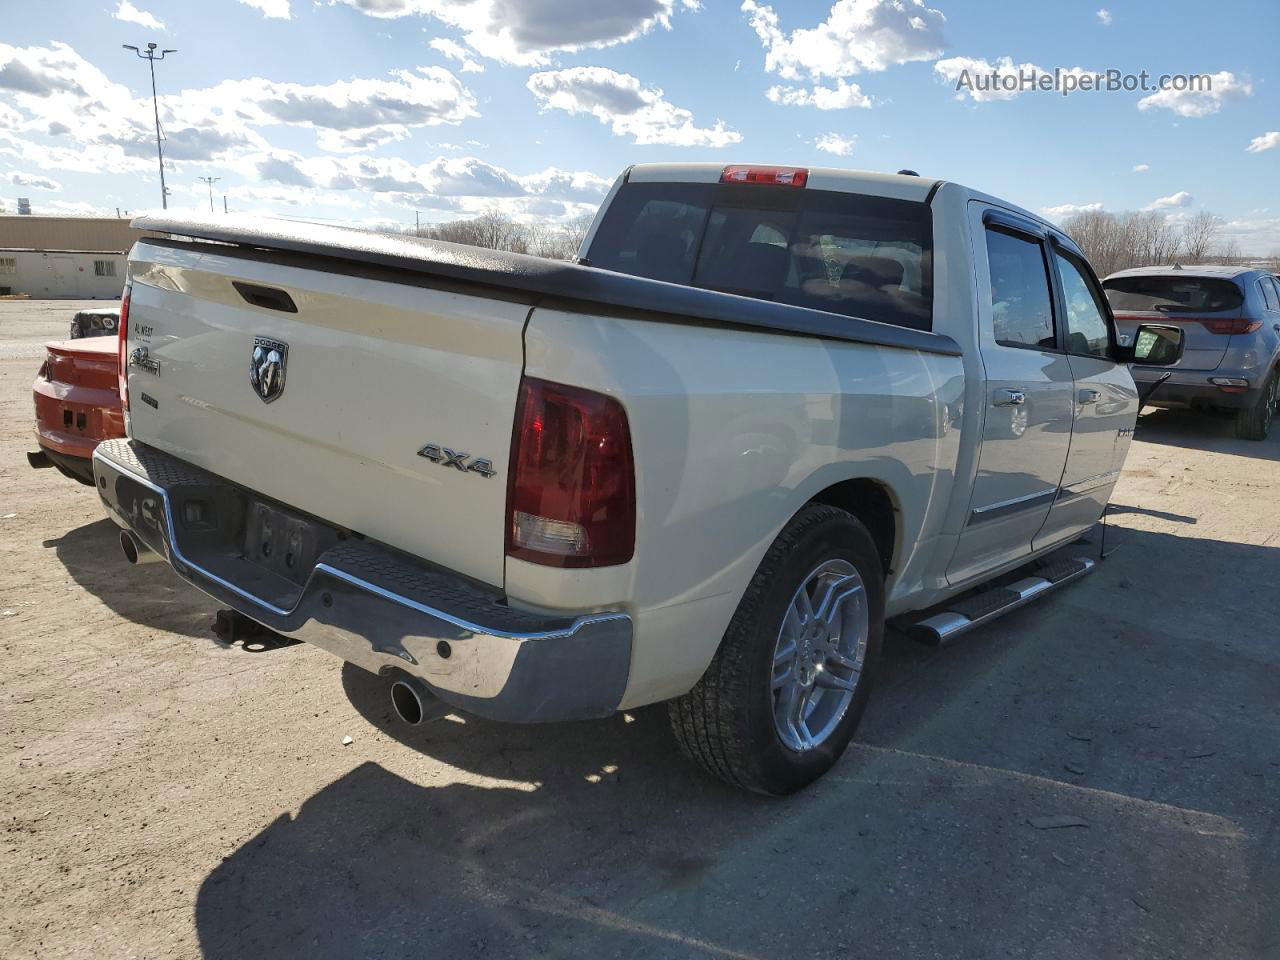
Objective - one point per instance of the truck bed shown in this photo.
(536, 281)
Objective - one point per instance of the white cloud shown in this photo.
(1141, 167)
(131, 14)
(1174, 200)
(526, 32)
(856, 36)
(1268, 141)
(34, 180)
(56, 92)
(628, 108)
(1104, 17)
(841, 96)
(1070, 209)
(1256, 236)
(441, 178)
(1224, 87)
(274, 9)
(836, 144)
(456, 51)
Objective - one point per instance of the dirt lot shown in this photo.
(168, 796)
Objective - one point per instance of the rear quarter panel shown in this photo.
(733, 432)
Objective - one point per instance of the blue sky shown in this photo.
(367, 110)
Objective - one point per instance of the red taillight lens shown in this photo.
(1224, 327)
(122, 344)
(571, 497)
(779, 176)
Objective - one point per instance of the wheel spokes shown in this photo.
(834, 597)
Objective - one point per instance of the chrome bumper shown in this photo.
(369, 604)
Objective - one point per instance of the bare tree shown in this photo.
(574, 231)
(1117, 241)
(497, 231)
(1199, 234)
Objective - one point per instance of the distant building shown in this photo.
(62, 274)
(80, 258)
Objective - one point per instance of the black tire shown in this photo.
(1254, 422)
(725, 723)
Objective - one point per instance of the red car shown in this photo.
(77, 399)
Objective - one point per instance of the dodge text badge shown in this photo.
(266, 368)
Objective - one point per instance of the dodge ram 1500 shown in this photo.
(767, 409)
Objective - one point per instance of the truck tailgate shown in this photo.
(374, 371)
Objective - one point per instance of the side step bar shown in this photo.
(965, 614)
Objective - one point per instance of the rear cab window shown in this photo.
(1172, 294)
(852, 254)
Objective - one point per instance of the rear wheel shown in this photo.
(1254, 422)
(782, 697)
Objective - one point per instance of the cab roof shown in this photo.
(895, 185)
(1189, 270)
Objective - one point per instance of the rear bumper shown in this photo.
(1195, 390)
(370, 605)
(72, 419)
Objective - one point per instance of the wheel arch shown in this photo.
(875, 505)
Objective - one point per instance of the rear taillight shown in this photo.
(1225, 327)
(779, 176)
(122, 344)
(571, 491)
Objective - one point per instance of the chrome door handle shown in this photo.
(1089, 396)
(1010, 398)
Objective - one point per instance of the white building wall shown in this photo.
(54, 274)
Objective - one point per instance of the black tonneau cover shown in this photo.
(537, 280)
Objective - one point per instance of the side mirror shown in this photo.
(1155, 345)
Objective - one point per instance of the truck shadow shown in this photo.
(151, 595)
(1204, 430)
(1153, 731)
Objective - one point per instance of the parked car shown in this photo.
(1231, 320)
(778, 406)
(77, 401)
(95, 323)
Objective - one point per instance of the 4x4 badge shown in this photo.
(451, 458)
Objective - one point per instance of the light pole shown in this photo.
(151, 57)
(210, 181)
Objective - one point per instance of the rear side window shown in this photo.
(856, 255)
(1269, 293)
(1021, 304)
(1173, 294)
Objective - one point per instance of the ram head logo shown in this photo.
(266, 368)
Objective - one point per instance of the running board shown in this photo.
(977, 609)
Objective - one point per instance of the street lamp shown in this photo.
(151, 57)
(210, 181)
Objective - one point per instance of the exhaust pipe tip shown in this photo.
(136, 553)
(414, 702)
(407, 702)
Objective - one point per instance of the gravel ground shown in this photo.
(169, 796)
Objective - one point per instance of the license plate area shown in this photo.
(282, 542)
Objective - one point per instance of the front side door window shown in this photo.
(1088, 333)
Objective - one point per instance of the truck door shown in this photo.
(1028, 394)
(1105, 400)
